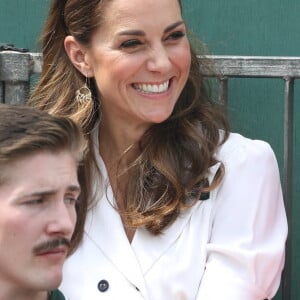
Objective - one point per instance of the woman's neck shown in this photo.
(118, 148)
(118, 153)
(117, 139)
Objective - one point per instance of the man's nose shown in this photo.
(62, 219)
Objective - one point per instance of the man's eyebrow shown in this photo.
(70, 188)
(142, 33)
(74, 188)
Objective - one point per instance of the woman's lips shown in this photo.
(152, 88)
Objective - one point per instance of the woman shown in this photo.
(181, 208)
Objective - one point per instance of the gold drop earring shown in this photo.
(84, 94)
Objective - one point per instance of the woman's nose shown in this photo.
(159, 60)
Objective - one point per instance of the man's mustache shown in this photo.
(53, 244)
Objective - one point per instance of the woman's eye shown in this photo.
(130, 44)
(176, 35)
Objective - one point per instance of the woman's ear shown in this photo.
(77, 55)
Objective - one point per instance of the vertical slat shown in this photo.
(1, 92)
(16, 92)
(287, 179)
(223, 90)
(15, 72)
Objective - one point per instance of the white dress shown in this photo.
(230, 246)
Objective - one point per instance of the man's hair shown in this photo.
(25, 131)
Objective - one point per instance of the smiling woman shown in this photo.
(162, 165)
(132, 64)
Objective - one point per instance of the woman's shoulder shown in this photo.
(57, 295)
(239, 149)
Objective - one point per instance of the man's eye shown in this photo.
(35, 201)
(176, 35)
(130, 44)
(71, 200)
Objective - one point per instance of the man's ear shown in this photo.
(77, 55)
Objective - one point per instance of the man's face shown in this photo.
(37, 219)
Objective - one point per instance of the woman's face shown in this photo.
(140, 59)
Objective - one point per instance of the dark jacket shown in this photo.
(56, 295)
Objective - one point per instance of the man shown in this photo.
(40, 203)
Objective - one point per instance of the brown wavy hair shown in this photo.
(171, 169)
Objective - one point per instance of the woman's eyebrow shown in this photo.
(142, 33)
(132, 32)
(173, 26)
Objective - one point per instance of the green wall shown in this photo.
(228, 27)
(20, 22)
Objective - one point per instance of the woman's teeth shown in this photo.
(152, 88)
